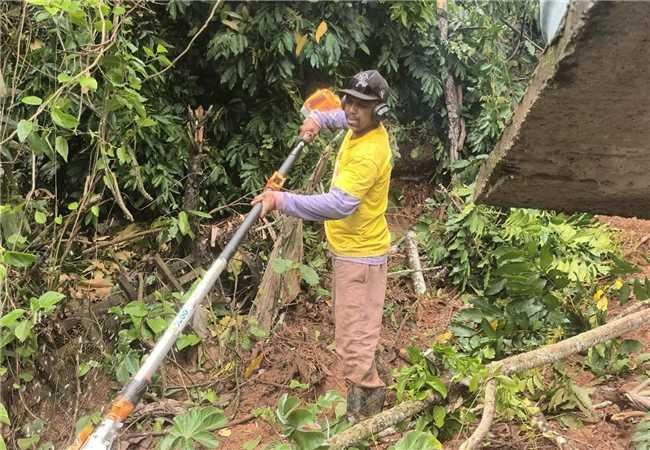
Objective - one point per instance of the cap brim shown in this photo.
(359, 95)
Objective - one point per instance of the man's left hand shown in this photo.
(270, 201)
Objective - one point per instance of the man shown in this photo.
(356, 229)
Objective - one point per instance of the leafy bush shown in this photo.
(196, 426)
(527, 273)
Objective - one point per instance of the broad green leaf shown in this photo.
(3, 445)
(91, 419)
(4, 415)
(252, 444)
(39, 145)
(206, 439)
(281, 266)
(61, 147)
(202, 214)
(439, 414)
(183, 223)
(417, 440)
(63, 119)
(437, 385)
(146, 122)
(47, 301)
(95, 210)
(308, 274)
(161, 48)
(18, 259)
(136, 309)
(3, 272)
(85, 367)
(73, 206)
(58, 220)
(631, 346)
(32, 100)
(11, 317)
(157, 324)
(169, 442)
(88, 82)
(123, 155)
(63, 78)
(309, 439)
(187, 340)
(40, 217)
(127, 367)
(28, 443)
(23, 330)
(24, 129)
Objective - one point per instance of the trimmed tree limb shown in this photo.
(489, 407)
(277, 289)
(536, 358)
(414, 262)
(576, 344)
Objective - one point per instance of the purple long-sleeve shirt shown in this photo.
(336, 204)
(330, 119)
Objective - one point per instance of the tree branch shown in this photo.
(489, 407)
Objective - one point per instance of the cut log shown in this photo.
(419, 285)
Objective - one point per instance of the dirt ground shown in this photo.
(302, 349)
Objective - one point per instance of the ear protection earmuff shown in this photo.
(379, 112)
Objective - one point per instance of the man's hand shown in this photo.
(270, 201)
(309, 130)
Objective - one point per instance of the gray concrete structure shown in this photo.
(580, 138)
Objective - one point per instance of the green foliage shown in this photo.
(526, 273)
(140, 325)
(300, 423)
(417, 440)
(307, 273)
(194, 428)
(612, 357)
(418, 379)
(18, 332)
(641, 436)
(564, 395)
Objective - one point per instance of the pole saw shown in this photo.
(103, 437)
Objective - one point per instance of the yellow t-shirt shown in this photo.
(362, 170)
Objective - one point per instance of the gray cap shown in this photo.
(367, 85)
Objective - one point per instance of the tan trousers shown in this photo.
(358, 291)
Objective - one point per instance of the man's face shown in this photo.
(358, 113)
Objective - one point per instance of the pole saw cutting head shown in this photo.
(321, 100)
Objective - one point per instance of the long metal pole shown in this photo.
(103, 436)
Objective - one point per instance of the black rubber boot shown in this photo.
(364, 402)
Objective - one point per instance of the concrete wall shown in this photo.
(580, 138)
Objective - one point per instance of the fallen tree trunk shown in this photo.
(508, 366)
